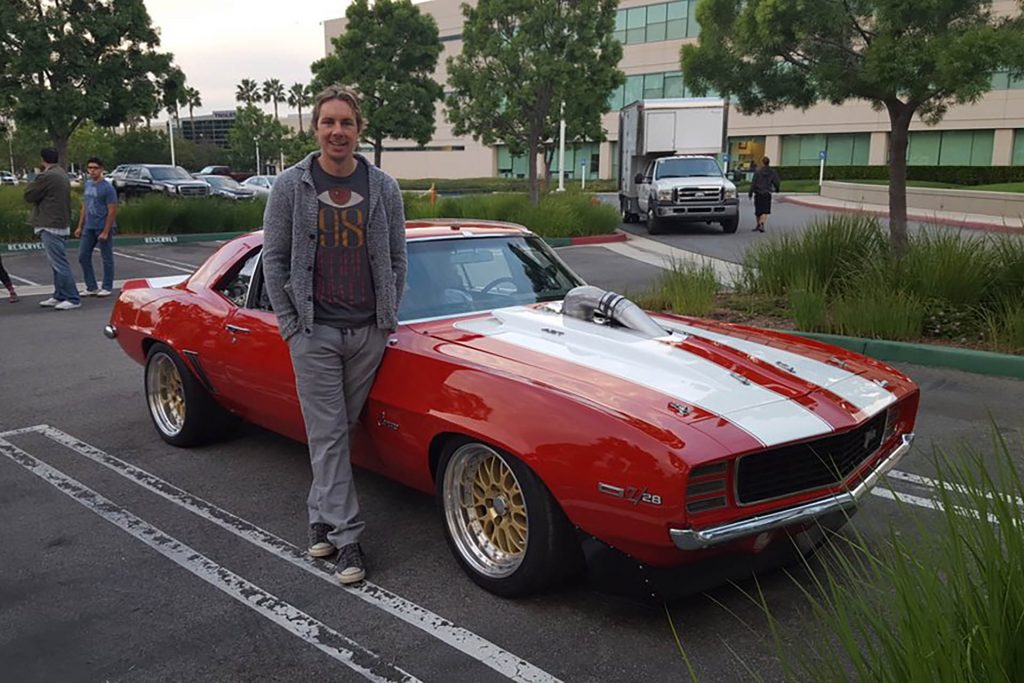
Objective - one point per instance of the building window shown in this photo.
(636, 25)
(654, 23)
(842, 149)
(950, 148)
(1018, 147)
(677, 12)
(1001, 80)
(654, 86)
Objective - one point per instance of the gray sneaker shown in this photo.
(319, 546)
(350, 567)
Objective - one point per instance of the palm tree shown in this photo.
(247, 92)
(193, 99)
(299, 95)
(273, 91)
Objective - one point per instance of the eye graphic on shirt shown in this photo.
(340, 197)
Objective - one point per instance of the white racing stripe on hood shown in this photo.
(863, 393)
(769, 417)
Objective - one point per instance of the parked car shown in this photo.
(560, 426)
(226, 188)
(8, 178)
(172, 181)
(260, 184)
(224, 170)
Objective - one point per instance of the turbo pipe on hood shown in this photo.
(586, 301)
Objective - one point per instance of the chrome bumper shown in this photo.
(696, 539)
(109, 331)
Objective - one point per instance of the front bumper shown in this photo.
(697, 539)
(697, 211)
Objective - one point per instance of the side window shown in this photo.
(132, 172)
(649, 172)
(235, 285)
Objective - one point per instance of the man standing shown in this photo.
(334, 261)
(765, 181)
(96, 224)
(50, 196)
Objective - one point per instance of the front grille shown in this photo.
(681, 195)
(806, 466)
(189, 191)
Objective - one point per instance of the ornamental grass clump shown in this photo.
(942, 602)
(685, 288)
(155, 214)
(947, 266)
(1005, 326)
(874, 309)
(808, 301)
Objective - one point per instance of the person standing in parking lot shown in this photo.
(50, 196)
(96, 225)
(334, 261)
(766, 181)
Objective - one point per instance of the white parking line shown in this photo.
(507, 664)
(267, 605)
(24, 281)
(158, 259)
(190, 269)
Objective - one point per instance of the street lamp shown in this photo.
(561, 149)
(170, 130)
(257, 141)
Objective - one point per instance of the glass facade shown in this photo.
(1001, 80)
(653, 23)
(576, 155)
(843, 149)
(1018, 147)
(652, 86)
(950, 148)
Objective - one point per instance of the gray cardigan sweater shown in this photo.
(289, 246)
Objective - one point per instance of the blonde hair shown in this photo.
(343, 93)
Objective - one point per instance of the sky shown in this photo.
(217, 43)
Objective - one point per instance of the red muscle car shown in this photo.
(559, 426)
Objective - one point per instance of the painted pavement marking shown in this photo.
(487, 653)
(287, 616)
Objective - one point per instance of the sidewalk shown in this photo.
(973, 221)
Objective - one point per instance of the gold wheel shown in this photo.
(165, 394)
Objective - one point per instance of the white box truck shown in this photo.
(668, 171)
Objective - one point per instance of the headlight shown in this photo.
(730, 193)
(664, 195)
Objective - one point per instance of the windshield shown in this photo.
(223, 183)
(453, 276)
(169, 173)
(687, 168)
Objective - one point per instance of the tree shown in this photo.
(62, 63)
(273, 91)
(247, 92)
(908, 58)
(192, 100)
(252, 125)
(388, 52)
(299, 95)
(91, 140)
(521, 59)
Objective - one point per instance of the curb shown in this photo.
(968, 360)
(921, 218)
(15, 247)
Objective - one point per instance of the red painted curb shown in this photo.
(988, 227)
(598, 239)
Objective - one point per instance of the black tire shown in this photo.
(482, 534)
(181, 409)
(731, 225)
(654, 225)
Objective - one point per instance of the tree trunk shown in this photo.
(378, 150)
(900, 116)
(60, 143)
(300, 119)
(531, 165)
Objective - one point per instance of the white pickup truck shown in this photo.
(685, 188)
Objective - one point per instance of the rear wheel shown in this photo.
(731, 224)
(501, 522)
(182, 410)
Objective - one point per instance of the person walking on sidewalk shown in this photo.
(5, 278)
(766, 181)
(50, 197)
(334, 260)
(96, 225)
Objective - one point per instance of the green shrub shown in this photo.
(929, 605)
(807, 301)
(160, 215)
(468, 185)
(947, 266)
(873, 309)
(1007, 263)
(686, 289)
(957, 175)
(1005, 324)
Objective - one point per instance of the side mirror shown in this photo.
(638, 178)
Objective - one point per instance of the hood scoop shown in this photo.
(588, 302)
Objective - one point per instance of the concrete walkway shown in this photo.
(962, 220)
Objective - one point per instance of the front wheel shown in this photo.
(731, 224)
(182, 410)
(501, 522)
(654, 224)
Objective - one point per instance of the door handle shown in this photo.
(235, 329)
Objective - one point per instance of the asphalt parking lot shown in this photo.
(127, 559)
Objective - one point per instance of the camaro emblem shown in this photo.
(630, 493)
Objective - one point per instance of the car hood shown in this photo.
(181, 181)
(695, 375)
(702, 181)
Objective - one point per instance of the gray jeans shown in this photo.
(334, 370)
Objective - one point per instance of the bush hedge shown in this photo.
(957, 175)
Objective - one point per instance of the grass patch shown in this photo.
(1005, 326)
(878, 312)
(686, 288)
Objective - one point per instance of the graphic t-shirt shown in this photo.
(343, 293)
(96, 197)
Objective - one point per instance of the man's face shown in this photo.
(95, 172)
(337, 131)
